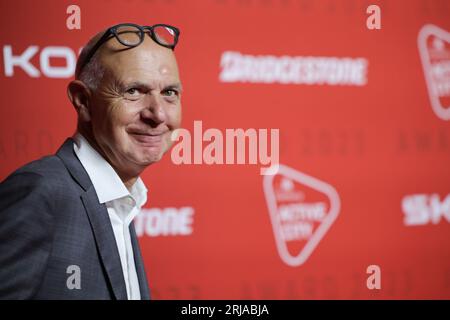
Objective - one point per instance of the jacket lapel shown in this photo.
(106, 242)
(139, 263)
(99, 220)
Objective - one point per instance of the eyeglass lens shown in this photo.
(131, 36)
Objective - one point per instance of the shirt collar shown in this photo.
(139, 192)
(106, 181)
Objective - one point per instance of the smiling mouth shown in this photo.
(148, 140)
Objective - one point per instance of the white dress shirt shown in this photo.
(122, 206)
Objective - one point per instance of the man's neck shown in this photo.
(128, 180)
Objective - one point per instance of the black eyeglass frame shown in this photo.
(113, 31)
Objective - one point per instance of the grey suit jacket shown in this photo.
(51, 219)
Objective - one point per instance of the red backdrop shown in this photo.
(372, 157)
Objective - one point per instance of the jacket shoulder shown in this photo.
(44, 170)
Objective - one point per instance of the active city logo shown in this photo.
(302, 209)
(434, 50)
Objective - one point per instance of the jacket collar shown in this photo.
(67, 154)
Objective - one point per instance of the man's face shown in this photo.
(137, 105)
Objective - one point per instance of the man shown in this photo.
(65, 220)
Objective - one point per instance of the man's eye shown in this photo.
(170, 92)
(132, 91)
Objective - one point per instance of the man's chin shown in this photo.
(145, 156)
(149, 159)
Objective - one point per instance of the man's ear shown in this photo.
(79, 94)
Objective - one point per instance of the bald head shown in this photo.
(86, 50)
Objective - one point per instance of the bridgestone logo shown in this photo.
(237, 67)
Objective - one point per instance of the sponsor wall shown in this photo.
(364, 150)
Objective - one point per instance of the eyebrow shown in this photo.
(177, 86)
(139, 84)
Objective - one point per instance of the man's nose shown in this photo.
(153, 109)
